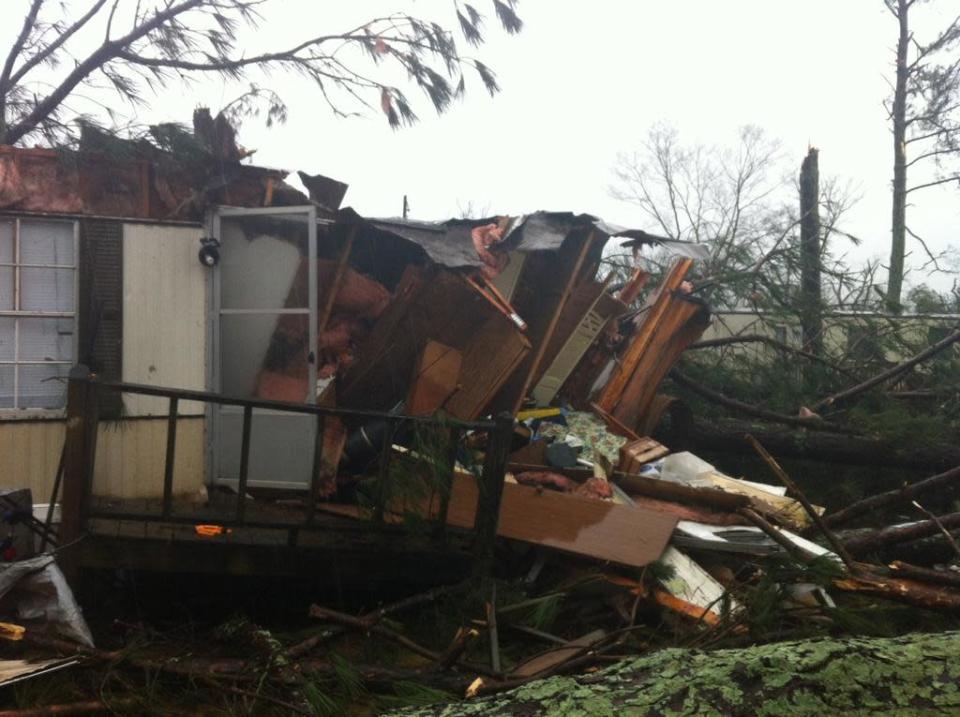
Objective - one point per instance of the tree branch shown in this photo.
(945, 180)
(888, 374)
(770, 341)
(56, 44)
(29, 22)
(934, 153)
(103, 54)
(814, 423)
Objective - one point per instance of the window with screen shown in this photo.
(38, 303)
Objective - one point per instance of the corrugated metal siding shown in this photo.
(164, 314)
(129, 463)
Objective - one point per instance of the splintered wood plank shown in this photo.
(557, 655)
(581, 526)
(682, 323)
(644, 335)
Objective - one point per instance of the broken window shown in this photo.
(38, 278)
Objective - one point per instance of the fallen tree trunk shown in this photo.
(818, 446)
(940, 482)
(913, 674)
(894, 535)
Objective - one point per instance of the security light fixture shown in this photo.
(209, 253)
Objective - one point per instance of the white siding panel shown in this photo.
(129, 461)
(29, 454)
(164, 314)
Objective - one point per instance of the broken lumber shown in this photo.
(657, 306)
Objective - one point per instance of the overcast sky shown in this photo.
(586, 80)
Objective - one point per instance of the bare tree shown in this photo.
(737, 200)
(925, 121)
(140, 46)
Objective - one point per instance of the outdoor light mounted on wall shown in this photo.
(209, 253)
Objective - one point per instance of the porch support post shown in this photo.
(76, 469)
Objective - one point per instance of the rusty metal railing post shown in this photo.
(490, 493)
(76, 467)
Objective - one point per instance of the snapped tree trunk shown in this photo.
(898, 113)
(910, 675)
(811, 318)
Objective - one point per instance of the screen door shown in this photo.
(264, 341)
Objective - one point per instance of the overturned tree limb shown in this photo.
(362, 625)
(775, 535)
(814, 423)
(929, 575)
(885, 537)
(892, 497)
(835, 543)
(372, 617)
(943, 529)
(911, 592)
(815, 446)
(769, 341)
(888, 374)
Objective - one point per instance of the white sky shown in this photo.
(586, 80)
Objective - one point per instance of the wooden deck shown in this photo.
(275, 540)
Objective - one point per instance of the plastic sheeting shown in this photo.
(37, 590)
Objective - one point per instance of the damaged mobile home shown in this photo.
(363, 323)
(206, 370)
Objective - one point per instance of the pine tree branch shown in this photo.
(934, 153)
(768, 340)
(29, 22)
(888, 374)
(99, 57)
(814, 423)
(56, 44)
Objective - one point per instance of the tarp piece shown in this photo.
(37, 590)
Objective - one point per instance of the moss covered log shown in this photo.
(916, 674)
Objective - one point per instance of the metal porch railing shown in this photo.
(83, 399)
